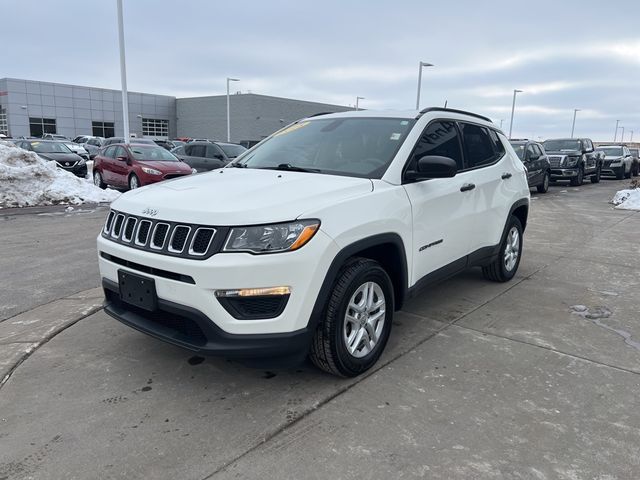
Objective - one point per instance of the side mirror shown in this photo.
(433, 166)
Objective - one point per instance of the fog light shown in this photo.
(253, 292)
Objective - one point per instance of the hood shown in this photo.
(241, 196)
(166, 167)
(60, 157)
(572, 153)
(613, 157)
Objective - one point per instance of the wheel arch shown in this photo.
(387, 249)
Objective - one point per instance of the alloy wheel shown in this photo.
(364, 319)
(512, 249)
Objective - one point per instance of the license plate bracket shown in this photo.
(137, 290)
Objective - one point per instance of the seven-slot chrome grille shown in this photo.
(160, 236)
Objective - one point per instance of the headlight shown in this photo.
(280, 237)
(572, 161)
(193, 171)
(151, 171)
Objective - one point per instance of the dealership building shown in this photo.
(33, 108)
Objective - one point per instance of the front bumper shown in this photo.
(191, 329)
(77, 170)
(191, 284)
(613, 169)
(566, 173)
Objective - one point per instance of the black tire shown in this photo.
(596, 178)
(97, 180)
(328, 347)
(134, 182)
(636, 169)
(544, 186)
(498, 271)
(620, 173)
(578, 179)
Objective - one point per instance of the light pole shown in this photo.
(513, 108)
(501, 122)
(631, 139)
(228, 114)
(615, 135)
(422, 64)
(573, 125)
(358, 101)
(123, 75)
(622, 138)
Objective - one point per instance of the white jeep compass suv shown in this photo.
(307, 243)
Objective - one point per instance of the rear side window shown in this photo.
(196, 150)
(109, 152)
(480, 146)
(213, 150)
(439, 138)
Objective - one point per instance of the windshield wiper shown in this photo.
(237, 165)
(292, 168)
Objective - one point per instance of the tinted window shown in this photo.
(109, 152)
(213, 150)
(439, 138)
(498, 147)
(519, 149)
(537, 149)
(196, 150)
(49, 147)
(119, 152)
(478, 145)
(151, 153)
(530, 152)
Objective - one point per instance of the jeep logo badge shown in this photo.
(150, 211)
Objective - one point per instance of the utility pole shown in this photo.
(573, 125)
(422, 64)
(513, 108)
(615, 135)
(228, 111)
(123, 75)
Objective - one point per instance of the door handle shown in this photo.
(506, 176)
(467, 186)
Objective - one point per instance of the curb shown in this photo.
(24, 333)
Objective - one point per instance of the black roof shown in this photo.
(453, 110)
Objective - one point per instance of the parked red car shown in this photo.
(132, 166)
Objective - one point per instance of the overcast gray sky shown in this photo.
(564, 54)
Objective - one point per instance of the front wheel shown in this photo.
(134, 182)
(506, 265)
(596, 178)
(357, 320)
(578, 179)
(544, 186)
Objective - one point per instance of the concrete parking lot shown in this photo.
(537, 378)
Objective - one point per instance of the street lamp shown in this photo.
(501, 122)
(228, 114)
(615, 135)
(513, 108)
(573, 125)
(123, 74)
(357, 102)
(622, 138)
(631, 139)
(422, 64)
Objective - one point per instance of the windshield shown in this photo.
(634, 151)
(152, 153)
(559, 145)
(50, 147)
(611, 151)
(358, 147)
(232, 151)
(519, 148)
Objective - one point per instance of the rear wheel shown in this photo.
(636, 169)
(506, 265)
(596, 178)
(134, 182)
(97, 180)
(544, 186)
(357, 320)
(578, 179)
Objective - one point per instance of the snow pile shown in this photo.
(27, 180)
(627, 199)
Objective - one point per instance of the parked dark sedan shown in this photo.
(203, 156)
(57, 152)
(535, 159)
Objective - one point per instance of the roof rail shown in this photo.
(452, 110)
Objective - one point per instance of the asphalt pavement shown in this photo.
(536, 378)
